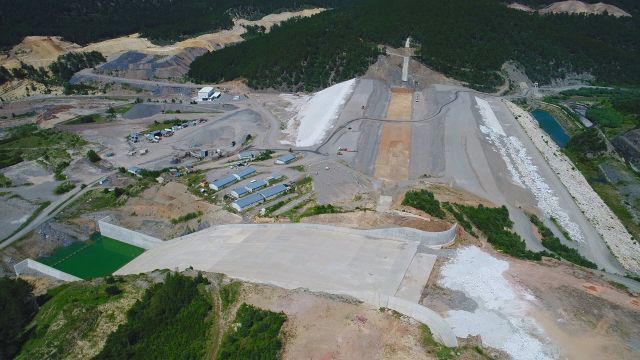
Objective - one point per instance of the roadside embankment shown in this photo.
(622, 245)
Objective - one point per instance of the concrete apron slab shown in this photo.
(330, 259)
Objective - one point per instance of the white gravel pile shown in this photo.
(625, 249)
(523, 171)
(501, 318)
(316, 113)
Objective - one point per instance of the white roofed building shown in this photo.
(205, 93)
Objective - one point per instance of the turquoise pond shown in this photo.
(551, 126)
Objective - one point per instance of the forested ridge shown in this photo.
(468, 40)
(303, 54)
(85, 21)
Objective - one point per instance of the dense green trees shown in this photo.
(496, 225)
(170, 322)
(85, 21)
(58, 72)
(587, 143)
(303, 54)
(468, 40)
(93, 156)
(5, 75)
(425, 201)
(255, 337)
(17, 308)
(68, 64)
(28, 142)
(552, 243)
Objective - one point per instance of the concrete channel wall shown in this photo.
(28, 265)
(127, 236)
(440, 329)
(429, 239)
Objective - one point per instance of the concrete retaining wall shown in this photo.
(27, 265)
(430, 239)
(440, 329)
(127, 236)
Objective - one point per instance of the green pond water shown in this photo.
(551, 126)
(97, 257)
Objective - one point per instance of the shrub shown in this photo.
(587, 143)
(5, 181)
(459, 218)
(552, 243)
(495, 224)
(93, 156)
(605, 116)
(265, 155)
(171, 321)
(18, 308)
(186, 217)
(229, 294)
(256, 336)
(64, 188)
(321, 209)
(112, 290)
(425, 201)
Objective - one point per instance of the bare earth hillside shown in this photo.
(574, 7)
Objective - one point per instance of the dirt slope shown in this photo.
(578, 7)
(42, 50)
(574, 7)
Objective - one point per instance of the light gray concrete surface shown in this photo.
(330, 259)
(416, 277)
(448, 147)
(27, 265)
(127, 236)
(434, 240)
(321, 258)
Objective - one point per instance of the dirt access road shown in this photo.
(50, 211)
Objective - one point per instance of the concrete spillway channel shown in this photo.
(381, 267)
(405, 62)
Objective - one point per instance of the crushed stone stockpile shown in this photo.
(501, 318)
(315, 114)
(523, 171)
(625, 249)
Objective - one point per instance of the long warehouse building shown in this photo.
(252, 200)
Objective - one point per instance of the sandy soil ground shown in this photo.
(153, 210)
(376, 220)
(43, 50)
(32, 181)
(581, 315)
(400, 104)
(38, 51)
(394, 152)
(578, 7)
(15, 212)
(587, 317)
(574, 7)
(321, 327)
(395, 142)
(521, 7)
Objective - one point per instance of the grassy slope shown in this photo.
(80, 319)
(75, 322)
